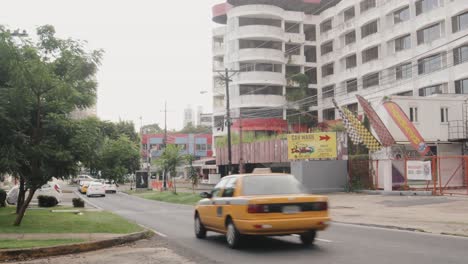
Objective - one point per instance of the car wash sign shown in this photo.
(312, 146)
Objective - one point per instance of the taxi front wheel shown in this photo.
(200, 230)
(308, 238)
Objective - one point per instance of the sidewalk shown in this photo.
(434, 214)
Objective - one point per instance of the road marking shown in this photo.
(87, 200)
(154, 231)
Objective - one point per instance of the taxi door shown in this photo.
(223, 203)
(208, 212)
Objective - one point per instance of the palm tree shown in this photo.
(171, 158)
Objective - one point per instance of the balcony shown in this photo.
(294, 37)
(265, 78)
(263, 55)
(258, 101)
(218, 51)
(260, 32)
(296, 60)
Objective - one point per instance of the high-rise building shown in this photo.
(374, 48)
(188, 116)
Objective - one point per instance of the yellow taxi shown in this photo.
(260, 204)
(84, 187)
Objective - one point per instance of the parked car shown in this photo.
(82, 178)
(49, 189)
(110, 186)
(95, 189)
(261, 205)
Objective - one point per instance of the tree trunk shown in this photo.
(21, 195)
(19, 217)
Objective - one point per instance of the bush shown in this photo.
(3, 196)
(78, 202)
(47, 201)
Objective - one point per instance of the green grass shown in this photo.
(44, 221)
(16, 244)
(169, 197)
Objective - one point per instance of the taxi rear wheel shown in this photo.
(308, 238)
(200, 230)
(233, 237)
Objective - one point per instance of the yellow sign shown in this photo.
(312, 146)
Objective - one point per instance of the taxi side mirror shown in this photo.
(205, 195)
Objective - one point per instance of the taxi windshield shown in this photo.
(271, 185)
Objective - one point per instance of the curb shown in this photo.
(33, 253)
(397, 193)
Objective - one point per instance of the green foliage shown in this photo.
(17, 244)
(3, 196)
(119, 157)
(247, 137)
(169, 197)
(78, 203)
(190, 129)
(192, 173)
(171, 158)
(47, 201)
(151, 129)
(337, 128)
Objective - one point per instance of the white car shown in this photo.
(96, 189)
(110, 187)
(82, 178)
(49, 189)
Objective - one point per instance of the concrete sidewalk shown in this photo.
(434, 214)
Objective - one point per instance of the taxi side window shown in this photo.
(216, 192)
(230, 188)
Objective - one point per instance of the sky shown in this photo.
(155, 51)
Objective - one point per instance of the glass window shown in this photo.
(429, 34)
(249, 67)
(444, 115)
(460, 22)
(312, 74)
(403, 43)
(326, 48)
(351, 85)
(430, 64)
(461, 86)
(401, 15)
(430, 90)
(327, 70)
(413, 114)
(326, 26)
(370, 80)
(248, 21)
(349, 13)
(216, 192)
(366, 5)
(351, 61)
(271, 185)
(329, 114)
(201, 147)
(292, 27)
(254, 44)
(328, 91)
(230, 187)
(370, 54)
(310, 53)
(460, 54)
(423, 6)
(369, 29)
(309, 31)
(403, 71)
(293, 49)
(350, 37)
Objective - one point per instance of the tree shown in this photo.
(119, 157)
(41, 84)
(170, 159)
(301, 115)
(192, 173)
(151, 129)
(190, 129)
(89, 142)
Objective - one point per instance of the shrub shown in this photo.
(3, 196)
(47, 201)
(78, 202)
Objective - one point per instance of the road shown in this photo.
(341, 243)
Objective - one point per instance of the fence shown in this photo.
(448, 174)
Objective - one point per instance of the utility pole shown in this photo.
(241, 147)
(227, 78)
(165, 144)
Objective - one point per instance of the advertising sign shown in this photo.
(407, 127)
(419, 170)
(312, 146)
(141, 180)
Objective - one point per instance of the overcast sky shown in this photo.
(154, 50)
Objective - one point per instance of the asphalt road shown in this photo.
(341, 243)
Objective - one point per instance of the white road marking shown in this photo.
(154, 231)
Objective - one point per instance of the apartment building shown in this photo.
(374, 48)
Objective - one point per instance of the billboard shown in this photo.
(312, 146)
(419, 170)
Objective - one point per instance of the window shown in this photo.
(292, 27)
(248, 21)
(369, 29)
(403, 43)
(430, 64)
(407, 93)
(312, 74)
(327, 69)
(310, 53)
(329, 114)
(349, 14)
(460, 22)
(271, 185)
(261, 67)
(366, 5)
(413, 112)
(217, 189)
(370, 54)
(260, 90)
(350, 37)
(403, 71)
(292, 49)
(326, 48)
(353, 108)
(401, 15)
(423, 6)
(201, 147)
(326, 26)
(444, 115)
(253, 44)
(230, 188)
(430, 90)
(309, 31)
(351, 61)
(461, 86)
(328, 91)
(351, 85)
(370, 80)
(429, 34)
(460, 54)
